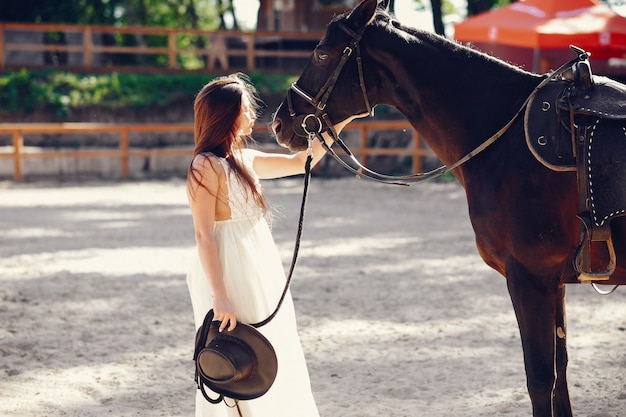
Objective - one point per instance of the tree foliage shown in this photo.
(197, 14)
(479, 6)
(25, 91)
(440, 8)
(181, 14)
(201, 14)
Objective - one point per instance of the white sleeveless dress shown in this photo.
(254, 277)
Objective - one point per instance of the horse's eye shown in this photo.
(321, 57)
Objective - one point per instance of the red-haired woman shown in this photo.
(238, 271)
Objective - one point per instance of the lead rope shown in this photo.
(296, 248)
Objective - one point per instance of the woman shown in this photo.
(238, 271)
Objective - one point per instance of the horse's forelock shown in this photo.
(380, 13)
(389, 23)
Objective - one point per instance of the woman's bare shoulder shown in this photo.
(208, 163)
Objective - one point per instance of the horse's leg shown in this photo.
(534, 302)
(562, 405)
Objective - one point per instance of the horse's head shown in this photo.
(333, 86)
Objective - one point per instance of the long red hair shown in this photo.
(216, 110)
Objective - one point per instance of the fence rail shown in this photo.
(18, 152)
(149, 48)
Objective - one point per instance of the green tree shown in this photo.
(192, 14)
(479, 6)
(168, 13)
(436, 6)
(60, 11)
(224, 9)
(442, 7)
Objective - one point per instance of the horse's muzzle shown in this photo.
(286, 137)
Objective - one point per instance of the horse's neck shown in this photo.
(453, 96)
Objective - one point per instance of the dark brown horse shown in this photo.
(524, 215)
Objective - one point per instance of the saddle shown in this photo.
(577, 122)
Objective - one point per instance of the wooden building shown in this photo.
(299, 15)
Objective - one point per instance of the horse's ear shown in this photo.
(363, 13)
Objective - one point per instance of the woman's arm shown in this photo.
(276, 165)
(204, 202)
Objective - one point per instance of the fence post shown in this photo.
(18, 157)
(364, 145)
(171, 47)
(124, 151)
(417, 152)
(250, 52)
(87, 42)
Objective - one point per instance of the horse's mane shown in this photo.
(391, 24)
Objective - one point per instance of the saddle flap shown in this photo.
(606, 166)
(548, 136)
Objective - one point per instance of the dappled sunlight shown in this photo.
(355, 246)
(397, 313)
(100, 387)
(101, 215)
(439, 367)
(434, 267)
(114, 262)
(34, 232)
(115, 215)
(59, 195)
(435, 339)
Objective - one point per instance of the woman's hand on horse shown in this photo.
(339, 126)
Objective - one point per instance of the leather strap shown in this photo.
(363, 172)
(203, 333)
(307, 177)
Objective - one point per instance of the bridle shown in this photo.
(320, 100)
(313, 124)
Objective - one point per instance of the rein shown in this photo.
(296, 248)
(313, 124)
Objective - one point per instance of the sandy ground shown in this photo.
(398, 315)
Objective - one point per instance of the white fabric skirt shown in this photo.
(254, 277)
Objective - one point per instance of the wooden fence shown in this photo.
(93, 48)
(18, 152)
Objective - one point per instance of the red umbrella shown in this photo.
(545, 27)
